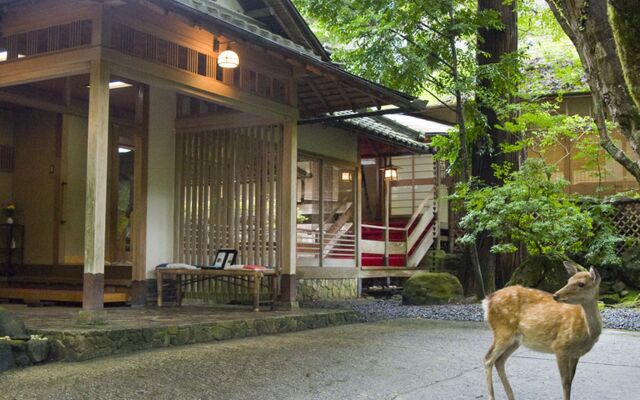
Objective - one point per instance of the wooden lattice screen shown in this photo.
(627, 219)
(54, 38)
(228, 194)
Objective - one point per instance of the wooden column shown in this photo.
(96, 197)
(288, 214)
(358, 217)
(139, 231)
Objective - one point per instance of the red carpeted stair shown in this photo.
(395, 260)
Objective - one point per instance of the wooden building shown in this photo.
(127, 142)
(588, 174)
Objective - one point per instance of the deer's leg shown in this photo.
(497, 349)
(488, 370)
(573, 368)
(500, 363)
(567, 366)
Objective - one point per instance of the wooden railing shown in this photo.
(338, 249)
(54, 38)
(419, 235)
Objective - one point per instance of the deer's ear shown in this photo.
(572, 268)
(593, 273)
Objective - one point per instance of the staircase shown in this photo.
(409, 239)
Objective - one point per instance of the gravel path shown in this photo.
(382, 309)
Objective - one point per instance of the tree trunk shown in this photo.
(464, 157)
(606, 59)
(492, 45)
(624, 16)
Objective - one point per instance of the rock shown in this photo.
(431, 288)
(630, 273)
(11, 326)
(606, 287)
(624, 293)
(618, 287)
(6, 356)
(542, 271)
(38, 350)
(609, 299)
(22, 360)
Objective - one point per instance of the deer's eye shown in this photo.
(581, 284)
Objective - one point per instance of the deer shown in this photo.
(566, 323)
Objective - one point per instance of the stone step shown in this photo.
(83, 344)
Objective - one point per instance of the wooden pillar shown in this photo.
(387, 204)
(96, 197)
(288, 214)
(139, 231)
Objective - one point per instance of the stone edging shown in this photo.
(87, 344)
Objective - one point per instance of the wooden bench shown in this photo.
(183, 275)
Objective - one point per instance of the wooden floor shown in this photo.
(70, 296)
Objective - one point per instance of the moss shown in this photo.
(630, 300)
(431, 288)
(610, 299)
(542, 271)
(624, 18)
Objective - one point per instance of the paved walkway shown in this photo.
(401, 360)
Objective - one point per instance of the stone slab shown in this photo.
(128, 330)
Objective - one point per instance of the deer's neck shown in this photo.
(594, 320)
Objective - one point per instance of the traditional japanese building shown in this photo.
(142, 132)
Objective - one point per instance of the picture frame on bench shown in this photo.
(224, 258)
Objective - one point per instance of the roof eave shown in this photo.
(217, 24)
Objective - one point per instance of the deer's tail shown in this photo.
(486, 303)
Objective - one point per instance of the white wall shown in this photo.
(161, 178)
(35, 183)
(327, 141)
(6, 139)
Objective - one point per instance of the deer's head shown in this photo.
(582, 287)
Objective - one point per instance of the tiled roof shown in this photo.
(385, 129)
(244, 22)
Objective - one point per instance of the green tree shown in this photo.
(532, 208)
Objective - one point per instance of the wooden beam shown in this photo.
(194, 85)
(96, 197)
(47, 66)
(315, 90)
(344, 96)
(42, 100)
(260, 12)
(221, 121)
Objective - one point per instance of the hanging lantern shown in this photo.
(347, 176)
(228, 59)
(390, 172)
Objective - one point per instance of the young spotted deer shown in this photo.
(567, 323)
